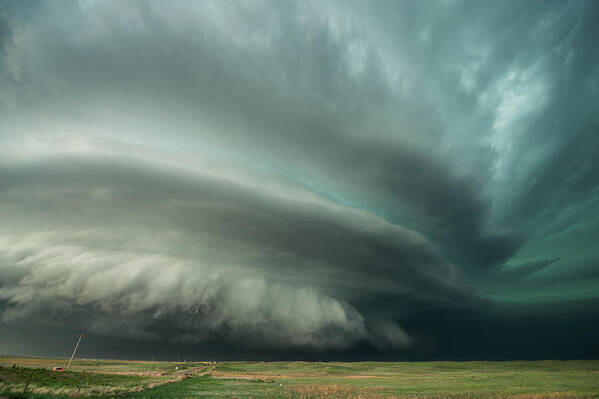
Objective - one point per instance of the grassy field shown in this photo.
(132, 379)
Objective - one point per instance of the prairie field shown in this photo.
(90, 378)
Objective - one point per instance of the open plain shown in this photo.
(34, 378)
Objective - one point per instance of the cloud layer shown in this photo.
(293, 174)
(124, 240)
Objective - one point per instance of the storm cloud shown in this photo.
(299, 175)
(221, 256)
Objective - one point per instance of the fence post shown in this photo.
(28, 382)
(82, 381)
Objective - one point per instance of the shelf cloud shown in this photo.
(296, 175)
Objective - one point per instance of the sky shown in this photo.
(300, 179)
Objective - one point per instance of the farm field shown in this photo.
(137, 379)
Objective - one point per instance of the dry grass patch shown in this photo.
(550, 395)
(318, 391)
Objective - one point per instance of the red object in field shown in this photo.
(58, 369)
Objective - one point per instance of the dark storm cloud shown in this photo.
(527, 87)
(295, 174)
(306, 94)
(209, 255)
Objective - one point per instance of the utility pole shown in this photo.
(75, 350)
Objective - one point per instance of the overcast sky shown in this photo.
(271, 179)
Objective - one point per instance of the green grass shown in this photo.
(522, 380)
(39, 380)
